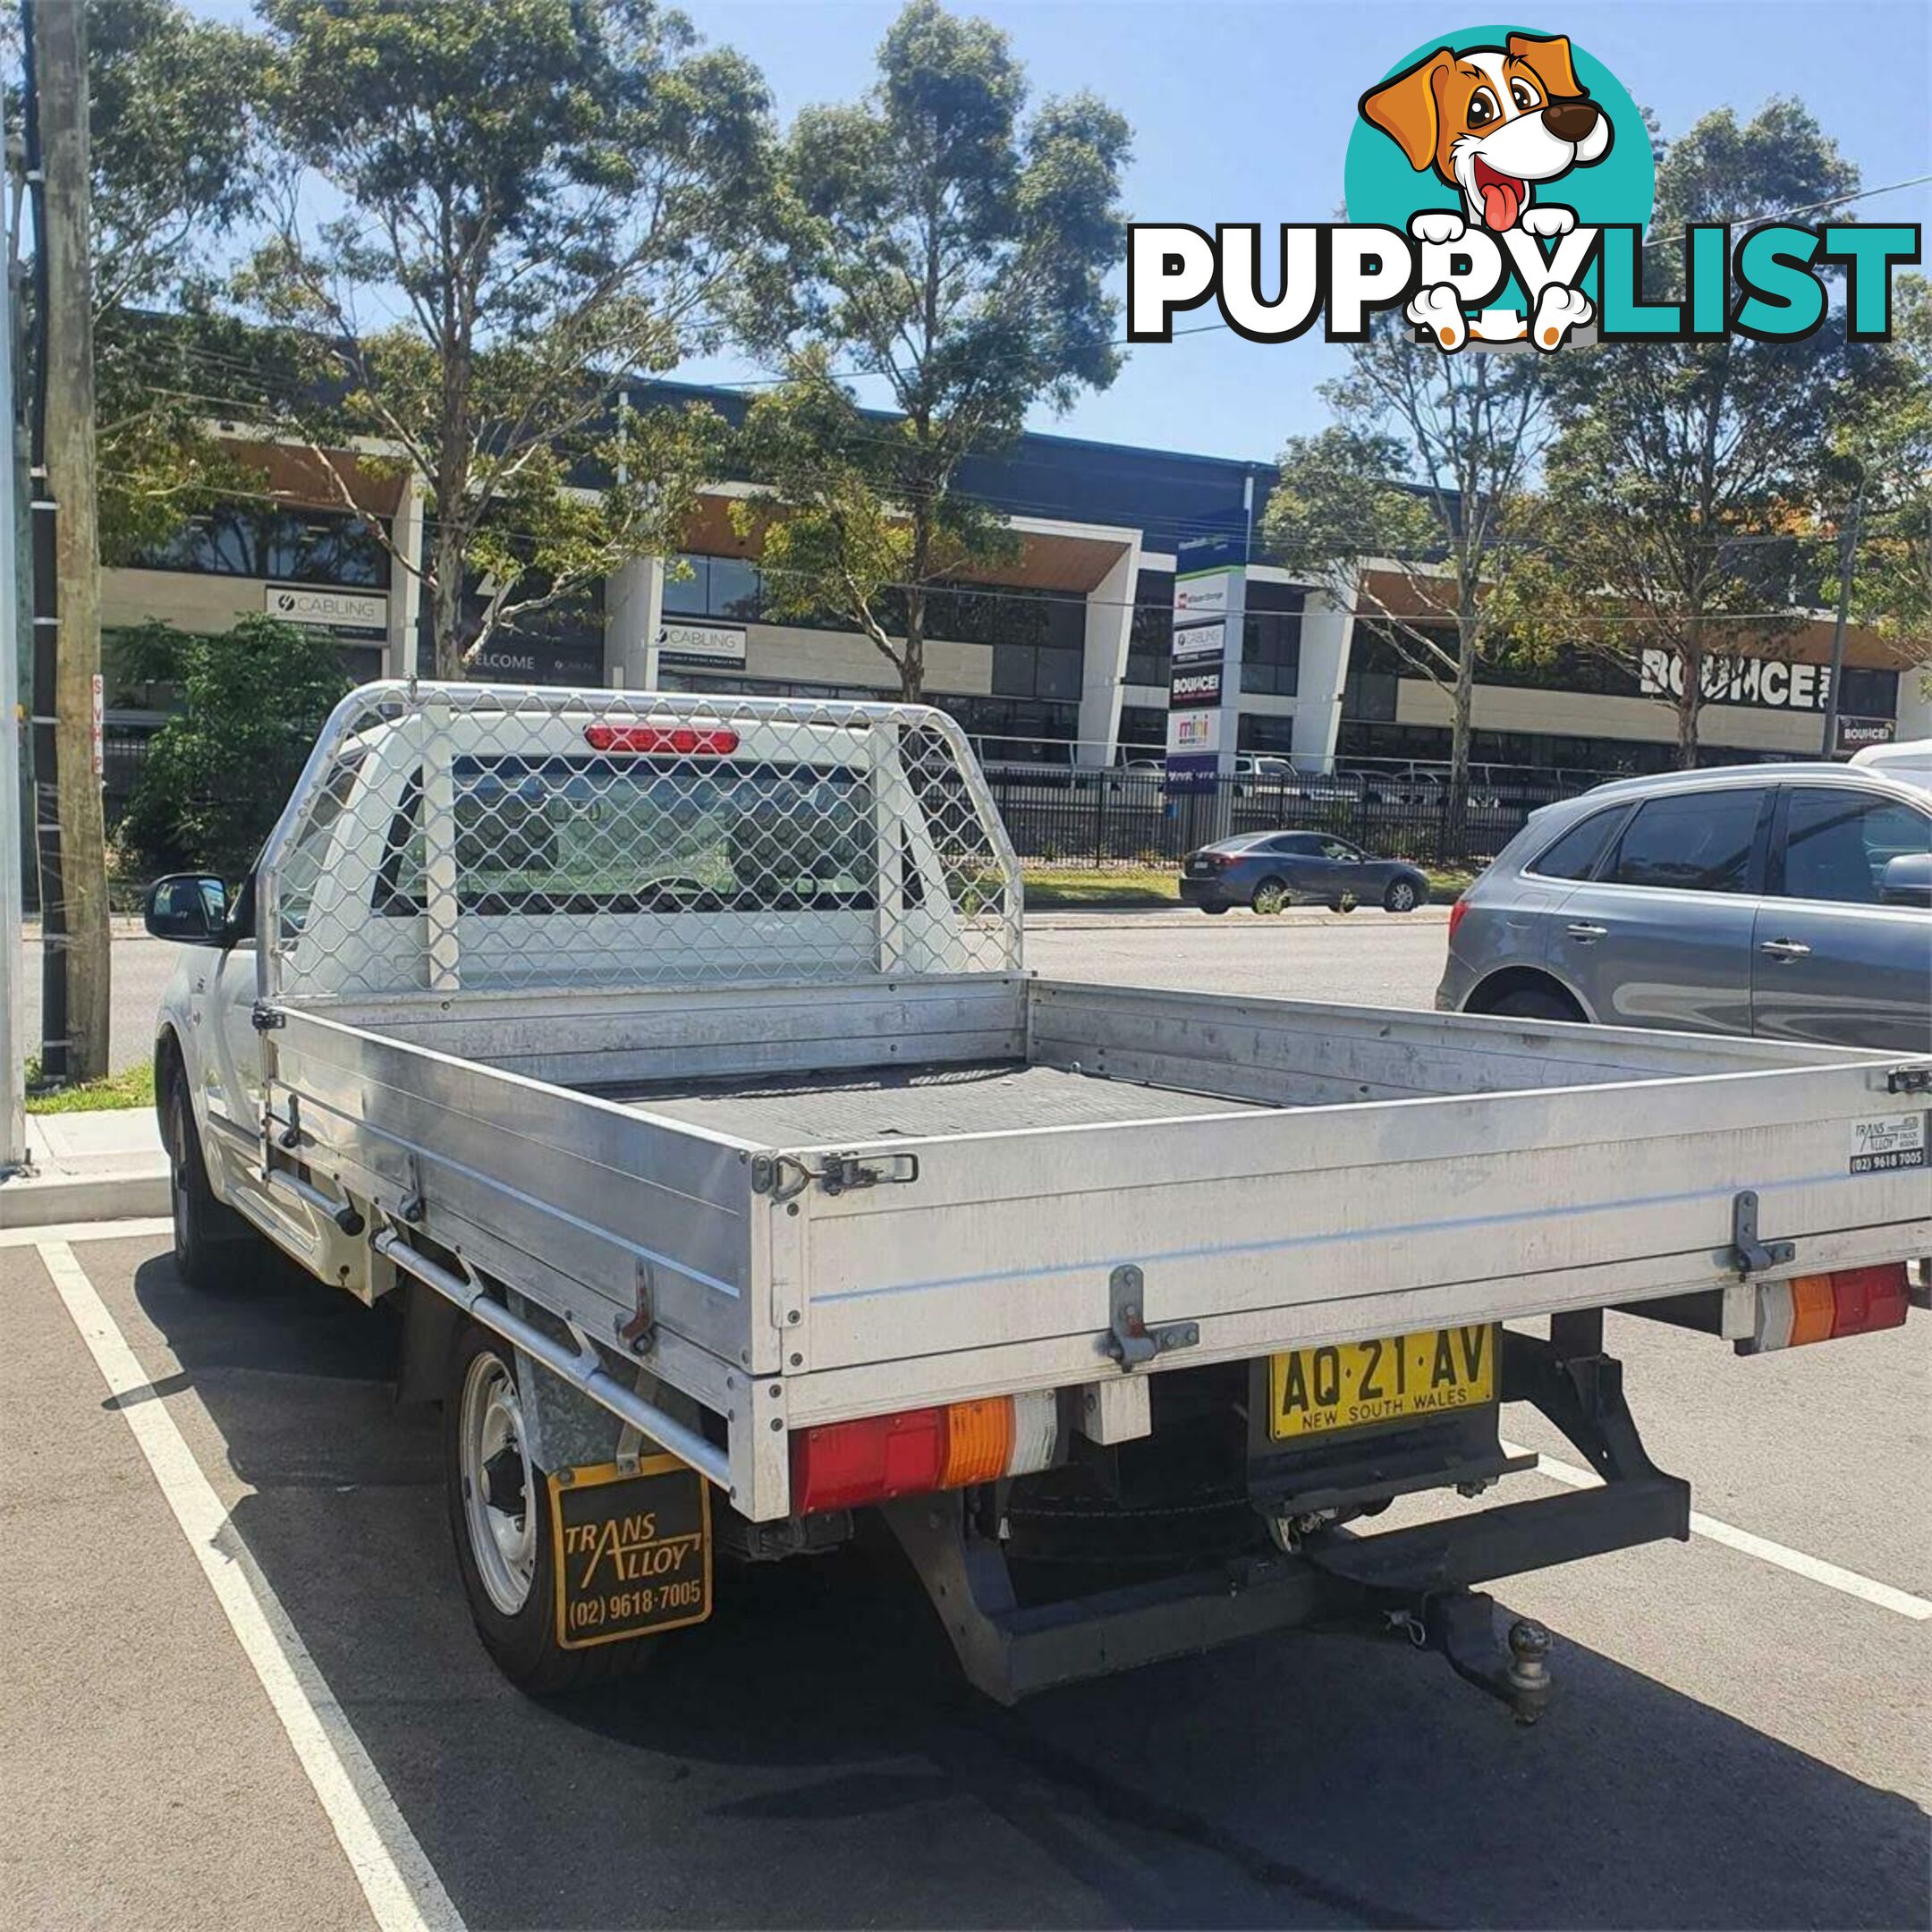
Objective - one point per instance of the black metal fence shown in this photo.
(1116, 818)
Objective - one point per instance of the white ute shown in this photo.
(672, 1059)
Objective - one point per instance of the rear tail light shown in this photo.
(1458, 912)
(1822, 1307)
(689, 739)
(842, 1464)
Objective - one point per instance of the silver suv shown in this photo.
(1793, 900)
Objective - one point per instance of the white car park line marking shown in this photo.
(1762, 1547)
(136, 1228)
(403, 1892)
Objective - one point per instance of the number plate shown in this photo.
(632, 1551)
(1353, 1384)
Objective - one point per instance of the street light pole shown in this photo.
(1847, 557)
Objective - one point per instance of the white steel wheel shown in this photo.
(500, 1503)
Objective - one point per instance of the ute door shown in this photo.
(1662, 936)
(1831, 960)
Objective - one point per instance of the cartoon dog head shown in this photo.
(1493, 121)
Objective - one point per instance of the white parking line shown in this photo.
(1762, 1547)
(403, 1892)
(137, 1226)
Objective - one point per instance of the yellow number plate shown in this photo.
(1316, 1391)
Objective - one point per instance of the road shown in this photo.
(1370, 957)
(1741, 1737)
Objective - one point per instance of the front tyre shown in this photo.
(503, 1522)
(210, 1239)
(1401, 897)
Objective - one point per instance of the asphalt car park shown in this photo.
(1740, 1735)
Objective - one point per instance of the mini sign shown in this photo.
(632, 1551)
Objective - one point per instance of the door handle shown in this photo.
(1786, 949)
(1584, 930)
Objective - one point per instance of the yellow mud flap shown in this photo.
(634, 1550)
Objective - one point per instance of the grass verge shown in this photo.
(1062, 886)
(133, 1087)
(1052, 888)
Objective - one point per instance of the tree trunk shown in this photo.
(1690, 700)
(67, 334)
(913, 659)
(445, 609)
(1454, 835)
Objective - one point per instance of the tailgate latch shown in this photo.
(1914, 1078)
(1129, 1340)
(1748, 1255)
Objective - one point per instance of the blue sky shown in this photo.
(1242, 111)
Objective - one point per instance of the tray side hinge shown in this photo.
(1748, 1254)
(1129, 1340)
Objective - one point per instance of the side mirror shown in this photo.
(189, 908)
(1907, 880)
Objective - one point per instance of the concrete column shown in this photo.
(1327, 631)
(1915, 702)
(633, 615)
(1104, 658)
(405, 587)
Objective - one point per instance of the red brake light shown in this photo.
(1457, 913)
(687, 738)
(1868, 1298)
(842, 1464)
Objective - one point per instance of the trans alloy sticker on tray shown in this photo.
(1885, 1146)
(634, 1551)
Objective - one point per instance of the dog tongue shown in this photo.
(1500, 198)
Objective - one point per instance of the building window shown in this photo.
(1271, 640)
(726, 587)
(1150, 638)
(1864, 693)
(315, 546)
(1254, 733)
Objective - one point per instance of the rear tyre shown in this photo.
(1401, 897)
(1214, 911)
(1533, 1002)
(504, 1526)
(1271, 896)
(209, 1240)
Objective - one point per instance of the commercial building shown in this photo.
(1064, 657)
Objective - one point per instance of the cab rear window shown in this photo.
(584, 834)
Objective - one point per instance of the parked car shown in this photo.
(1268, 870)
(1793, 901)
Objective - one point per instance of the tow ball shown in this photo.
(1462, 1624)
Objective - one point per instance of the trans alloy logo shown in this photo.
(1499, 187)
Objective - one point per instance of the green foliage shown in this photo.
(535, 192)
(215, 776)
(1427, 470)
(1679, 467)
(943, 241)
(175, 147)
(1886, 442)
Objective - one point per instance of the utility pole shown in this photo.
(1847, 558)
(59, 33)
(12, 1014)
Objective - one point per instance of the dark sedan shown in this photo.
(1268, 870)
